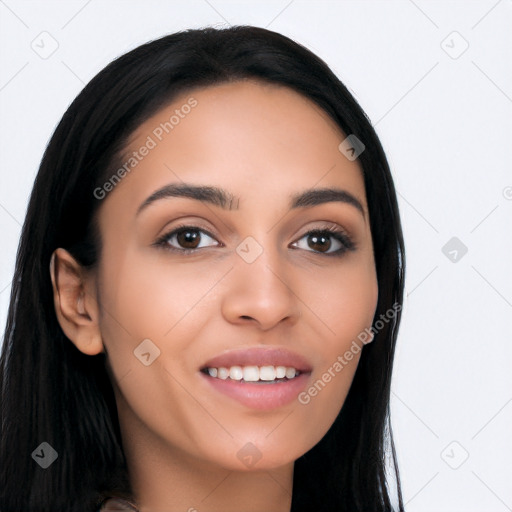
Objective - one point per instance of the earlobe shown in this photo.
(75, 305)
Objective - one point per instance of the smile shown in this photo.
(262, 378)
(254, 373)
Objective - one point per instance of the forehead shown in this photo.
(251, 138)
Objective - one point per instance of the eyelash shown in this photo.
(339, 235)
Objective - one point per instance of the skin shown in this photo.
(262, 143)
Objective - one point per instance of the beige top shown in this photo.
(117, 505)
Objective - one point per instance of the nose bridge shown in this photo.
(259, 284)
(260, 262)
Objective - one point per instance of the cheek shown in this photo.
(345, 302)
(150, 298)
(346, 308)
(151, 308)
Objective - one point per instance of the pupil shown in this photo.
(320, 240)
(188, 236)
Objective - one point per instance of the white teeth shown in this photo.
(251, 373)
(290, 373)
(222, 373)
(236, 373)
(268, 373)
(280, 372)
(254, 373)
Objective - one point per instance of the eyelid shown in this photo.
(336, 231)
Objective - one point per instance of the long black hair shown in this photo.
(53, 393)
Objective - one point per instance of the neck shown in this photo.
(167, 479)
(220, 491)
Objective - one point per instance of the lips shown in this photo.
(259, 356)
(223, 375)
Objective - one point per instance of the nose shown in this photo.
(261, 292)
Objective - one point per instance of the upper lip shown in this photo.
(259, 356)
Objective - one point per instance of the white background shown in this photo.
(445, 121)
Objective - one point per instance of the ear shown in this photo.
(75, 304)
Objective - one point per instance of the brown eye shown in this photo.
(329, 242)
(319, 242)
(185, 239)
(188, 238)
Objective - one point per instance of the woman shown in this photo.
(207, 291)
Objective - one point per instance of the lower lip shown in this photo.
(261, 396)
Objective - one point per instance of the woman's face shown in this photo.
(254, 285)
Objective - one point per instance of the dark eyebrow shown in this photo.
(316, 196)
(225, 200)
(212, 195)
